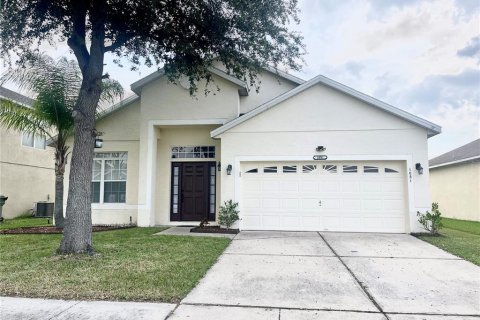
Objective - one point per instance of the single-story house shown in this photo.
(455, 182)
(297, 155)
(27, 166)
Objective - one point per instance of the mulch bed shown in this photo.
(55, 230)
(214, 229)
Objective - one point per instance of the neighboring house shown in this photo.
(170, 159)
(455, 182)
(26, 165)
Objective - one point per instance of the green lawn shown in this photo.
(462, 225)
(132, 264)
(24, 222)
(459, 237)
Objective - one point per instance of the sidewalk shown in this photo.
(46, 309)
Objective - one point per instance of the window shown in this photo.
(212, 185)
(388, 170)
(370, 169)
(37, 141)
(349, 169)
(193, 152)
(330, 168)
(289, 169)
(309, 168)
(255, 170)
(270, 170)
(109, 177)
(175, 191)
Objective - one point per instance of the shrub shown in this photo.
(228, 213)
(431, 221)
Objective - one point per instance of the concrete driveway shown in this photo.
(309, 275)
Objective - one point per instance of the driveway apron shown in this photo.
(310, 275)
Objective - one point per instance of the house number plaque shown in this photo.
(320, 157)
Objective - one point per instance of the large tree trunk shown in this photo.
(58, 214)
(77, 235)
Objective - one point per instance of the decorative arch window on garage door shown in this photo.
(350, 169)
(271, 169)
(390, 170)
(370, 169)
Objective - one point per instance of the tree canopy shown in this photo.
(187, 36)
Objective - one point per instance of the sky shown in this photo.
(420, 56)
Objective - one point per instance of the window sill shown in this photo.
(114, 206)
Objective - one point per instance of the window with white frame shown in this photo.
(37, 141)
(109, 177)
(181, 152)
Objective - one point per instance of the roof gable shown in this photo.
(243, 91)
(432, 128)
(138, 85)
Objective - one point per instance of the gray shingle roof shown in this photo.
(468, 151)
(15, 97)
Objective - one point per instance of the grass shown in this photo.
(459, 237)
(132, 264)
(24, 222)
(472, 227)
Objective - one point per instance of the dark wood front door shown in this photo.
(191, 182)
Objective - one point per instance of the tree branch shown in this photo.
(77, 39)
(121, 40)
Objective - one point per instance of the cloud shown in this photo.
(459, 126)
(452, 90)
(471, 50)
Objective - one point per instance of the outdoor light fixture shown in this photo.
(419, 168)
(229, 169)
(321, 148)
(219, 166)
(98, 143)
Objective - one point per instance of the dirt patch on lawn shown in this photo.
(55, 230)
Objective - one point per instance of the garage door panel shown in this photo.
(292, 204)
(308, 197)
(352, 204)
(373, 204)
(329, 186)
(350, 186)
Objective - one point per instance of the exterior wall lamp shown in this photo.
(219, 166)
(419, 168)
(229, 169)
(320, 148)
(98, 143)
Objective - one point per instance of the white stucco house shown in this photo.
(297, 155)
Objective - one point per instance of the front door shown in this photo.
(191, 183)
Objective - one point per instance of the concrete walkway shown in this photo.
(43, 309)
(303, 276)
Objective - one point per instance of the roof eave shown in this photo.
(138, 85)
(456, 162)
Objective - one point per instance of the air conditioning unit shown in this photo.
(44, 209)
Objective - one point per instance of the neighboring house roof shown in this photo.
(432, 128)
(138, 85)
(465, 153)
(15, 97)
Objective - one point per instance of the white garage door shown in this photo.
(324, 196)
